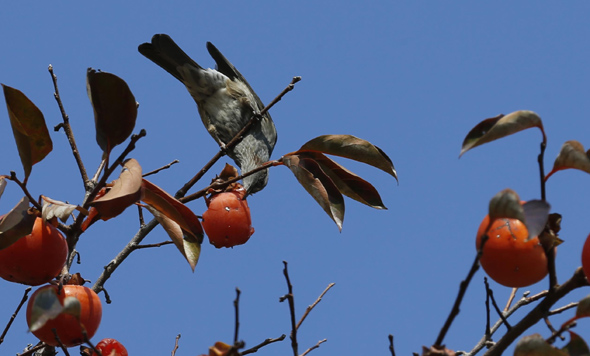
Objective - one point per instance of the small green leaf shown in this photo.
(29, 129)
(115, 108)
(501, 126)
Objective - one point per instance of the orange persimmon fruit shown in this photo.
(110, 347)
(508, 257)
(227, 220)
(69, 327)
(36, 258)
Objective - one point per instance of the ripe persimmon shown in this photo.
(586, 258)
(110, 347)
(67, 326)
(227, 221)
(508, 257)
(35, 259)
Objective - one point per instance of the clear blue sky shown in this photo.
(411, 77)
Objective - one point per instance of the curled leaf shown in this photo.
(576, 346)
(351, 147)
(536, 213)
(506, 204)
(170, 207)
(318, 185)
(115, 108)
(29, 129)
(126, 190)
(2, 185)
(16, 224)
(501, 126)
(46, 306)
(347, 182)
(188, 245)
(571, 155)
(583, 309)
(55, 208)
(536, 345)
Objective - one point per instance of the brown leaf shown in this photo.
(577, 346)
(536, 345)
(501, 126)
(506, 204)
(347, 182)
(55, 208)
(16, 224)
(115, 108)
(188, 245)
(353, 148)
(28, 127)
(583, 309)
(318, 185)
(536, 213)
(2, 185)
(572, 155)
(173, 209)
(126, 190)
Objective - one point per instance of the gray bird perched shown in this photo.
(226, 102)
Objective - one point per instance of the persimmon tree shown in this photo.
(107, 195)
(105, 198)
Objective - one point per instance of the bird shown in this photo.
(225, 102)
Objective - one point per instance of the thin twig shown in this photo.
(35, 348)
(216, 185)
(314, 347)
(22, 302)
(159, 244)
(264, 343)
(175, 345)
(391, 349)
(290, 297)
(235, 140)
(490, 292)
(161, 168)
(576, 281)
(67, 128)
(23, 187)
(60, 344)
(130, 247)
(310, 308)
(237, 308)
(511, 298)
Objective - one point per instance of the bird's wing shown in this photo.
(167, 54)
(224, 66)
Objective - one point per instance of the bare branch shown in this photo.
(161, 168)
(264, 343)
(22, 302)
(310, 308)
(314, 347)
(68, 128)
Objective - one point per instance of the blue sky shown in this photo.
(411, 77)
